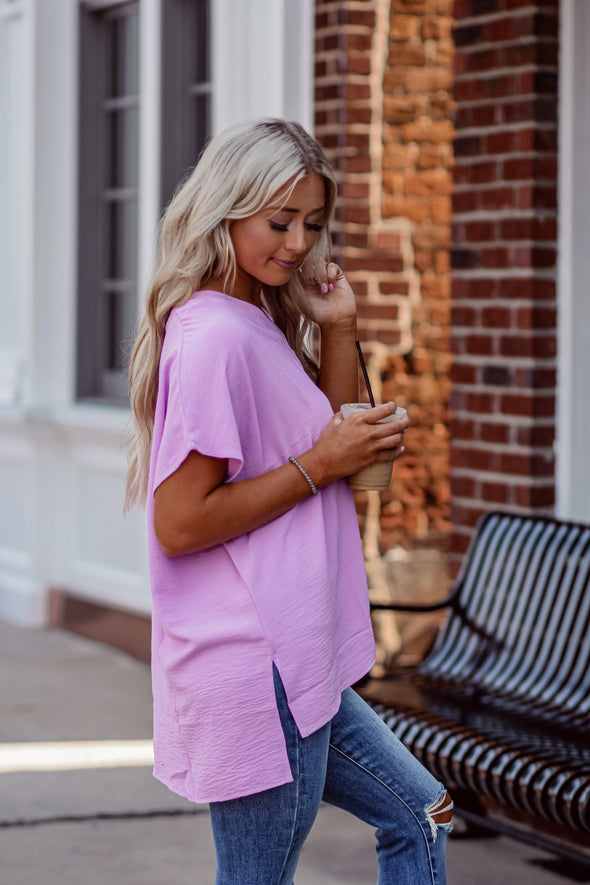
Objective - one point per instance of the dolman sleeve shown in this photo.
(202, 398)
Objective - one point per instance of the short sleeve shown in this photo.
(203, 377)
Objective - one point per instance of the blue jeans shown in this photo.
(356, 763)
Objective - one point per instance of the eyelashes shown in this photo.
(285, 227)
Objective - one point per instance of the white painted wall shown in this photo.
(62, 464)
(573, 416)
(263, 65)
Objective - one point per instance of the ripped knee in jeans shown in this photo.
(440, 814)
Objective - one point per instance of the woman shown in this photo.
(260, 606)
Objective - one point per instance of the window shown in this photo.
(108, 191)
(109, 163)
(186, 88)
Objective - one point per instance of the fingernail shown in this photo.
(402, 449)
(324, 288)
(330, 287)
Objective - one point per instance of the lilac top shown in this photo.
(292, 593)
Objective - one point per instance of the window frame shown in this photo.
(97, 379)
(186, 43)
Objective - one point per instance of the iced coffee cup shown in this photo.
(374, 477)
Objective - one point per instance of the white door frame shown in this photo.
(573, 330)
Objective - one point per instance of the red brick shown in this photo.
(542, 464)
(481, 60)
(517, 404)
(359, 163)
(459, 541)
(379, 312)
(502, 142)
(494, 433)
(495, 492)
(529, 287)
(354, 92)
(479, 345)
(479, 402)
(536, 318)
(396, 288)
(463, 429)
(359, 42)
(496, 317)
(391, 337)
(497, 198)
(502, 29)
(535, 496)
(360, 17)
(352, 188)
(358, 214)
(482, 115)
(463, 316)
(514, 463)
(464, 487)
(495, 258)
(528, 346)
(519, 168)
(476, 288)
(462, 374)
(536, 435)
(377, 260)
(465, 201)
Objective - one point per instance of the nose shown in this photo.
(296, 241)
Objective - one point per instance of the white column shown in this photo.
(150, 78)
(17, 104)
(262, 60)
(52, 302)
(573, 411)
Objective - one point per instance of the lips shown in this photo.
(285, 265)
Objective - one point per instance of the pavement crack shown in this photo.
(24, 823)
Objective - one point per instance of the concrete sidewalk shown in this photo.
(113, 823)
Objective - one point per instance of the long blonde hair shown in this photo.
(238, 174)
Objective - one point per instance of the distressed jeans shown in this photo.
(356, 763)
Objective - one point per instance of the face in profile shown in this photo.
(271, 245)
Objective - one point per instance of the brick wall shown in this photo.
(383, 113)
(504, 260)
(383, 106)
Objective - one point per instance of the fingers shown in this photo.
(382, 432)
(378, 415)
(333, 274)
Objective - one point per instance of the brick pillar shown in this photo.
(383, 107)
(504, 260)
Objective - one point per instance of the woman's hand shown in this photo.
(346, 446)
(329, 300)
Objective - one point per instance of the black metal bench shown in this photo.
(499, 709)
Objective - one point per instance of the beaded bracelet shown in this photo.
(312, 485)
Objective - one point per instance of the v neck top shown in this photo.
(292, 593)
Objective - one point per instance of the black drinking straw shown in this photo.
(365, 373)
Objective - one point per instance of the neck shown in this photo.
(245, 288)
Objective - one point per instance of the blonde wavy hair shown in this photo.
(238, 174)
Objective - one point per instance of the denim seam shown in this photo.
(296, 814)
(397, 795)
